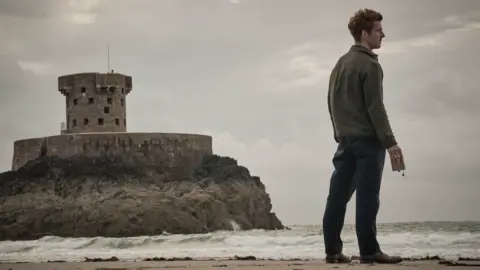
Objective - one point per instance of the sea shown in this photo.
(449, 240)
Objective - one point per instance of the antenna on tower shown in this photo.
(108, 57)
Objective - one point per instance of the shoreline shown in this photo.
(245, 263)
(434, 258)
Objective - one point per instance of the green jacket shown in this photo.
(355, 97)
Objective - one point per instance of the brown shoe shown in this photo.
(338, 258)
(380, 258)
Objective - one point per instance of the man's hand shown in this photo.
(396, 158)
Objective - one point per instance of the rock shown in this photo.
(86, 197)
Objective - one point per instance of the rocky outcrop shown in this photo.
(86, 197)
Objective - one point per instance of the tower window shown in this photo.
(125, 122)
(117, 122)
(91, 100)
(122, 101)
(74, 122)
(75, 101)
(106, 110)
(109, 100)
(100, 121)
(85, 121)
(83, 89)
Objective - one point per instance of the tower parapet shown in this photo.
(95, 102)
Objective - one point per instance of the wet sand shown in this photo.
(232, 264)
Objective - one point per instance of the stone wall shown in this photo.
(95, 102)
(181, 152)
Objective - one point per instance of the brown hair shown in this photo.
(363, 19)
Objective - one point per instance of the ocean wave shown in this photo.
(301, 242)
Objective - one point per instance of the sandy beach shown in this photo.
(232, 264)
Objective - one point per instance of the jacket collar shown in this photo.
(362, 49)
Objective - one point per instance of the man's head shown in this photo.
(366, 28)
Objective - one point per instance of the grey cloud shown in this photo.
(12, 79)
(414, 18)
(440, 82)
(28, 8)
(447, 96)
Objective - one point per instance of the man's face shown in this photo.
(374, 38)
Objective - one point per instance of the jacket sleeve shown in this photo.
(335, 137)
(373, 95)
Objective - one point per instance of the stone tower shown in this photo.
(95, 102)
(96, 127)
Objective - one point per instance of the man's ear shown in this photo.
(364, 34)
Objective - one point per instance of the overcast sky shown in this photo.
(253, 74)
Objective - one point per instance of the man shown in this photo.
(363, 133)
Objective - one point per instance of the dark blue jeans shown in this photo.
(358, 164)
